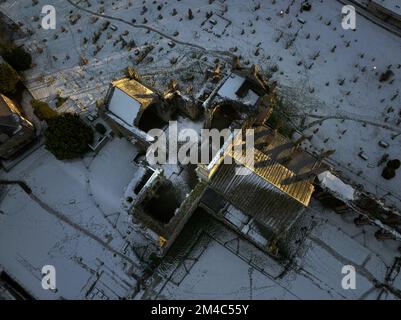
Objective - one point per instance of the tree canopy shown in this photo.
(8, 79)
(67, 136)
(16, 56)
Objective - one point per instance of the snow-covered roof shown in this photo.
(124, 106)
(128, 98)
(334, 184)
(230, 87)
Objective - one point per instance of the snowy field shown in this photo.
(73, 221)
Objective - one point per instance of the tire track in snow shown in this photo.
(74, 225)
(359, 268)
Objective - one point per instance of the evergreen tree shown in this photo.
(67, 136)
(8, 79)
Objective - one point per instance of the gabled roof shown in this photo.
(245, 86)
(254, 79)
(233, 89)
(271, 170)
(129, 99)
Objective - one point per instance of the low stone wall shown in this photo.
(385, 14)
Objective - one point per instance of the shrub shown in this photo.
(100, 128)
(67, 136)
(394, 164)
(42, 110)
(8, 79)
(388, 173)
(386, 76)
(16, 56)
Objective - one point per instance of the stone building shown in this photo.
(237, 97)
(132, 109)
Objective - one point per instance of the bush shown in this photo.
(67, 136)
(394, 164)
(306, 6)
(8, 79)
(42, 110)
(100, 128)
(16, 56)
(388, 173)
(386, 76)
